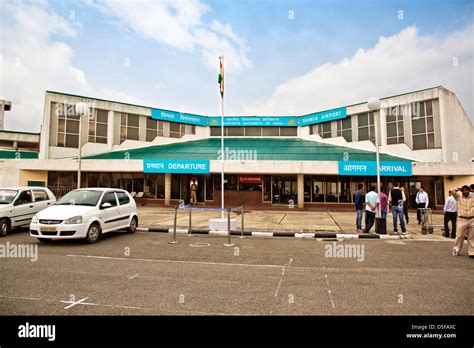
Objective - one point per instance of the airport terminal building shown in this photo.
(295, 161)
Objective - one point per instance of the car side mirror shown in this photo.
(105, 205)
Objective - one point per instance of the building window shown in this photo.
(423, 126)
(129, 125)
(68, 129)
(154, 128)
(288, 131)
(175, 130)
(324, 130)
(366, 126)
(271, 131)
(344, 129)
(395, 134)
(252, 131)
(98, 127)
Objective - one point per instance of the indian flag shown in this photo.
(220, 79)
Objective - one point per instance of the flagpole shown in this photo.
(222, 145)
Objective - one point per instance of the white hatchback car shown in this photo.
(86, 213)
(19, 204)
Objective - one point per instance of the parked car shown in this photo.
(86, 213)
(19, 204)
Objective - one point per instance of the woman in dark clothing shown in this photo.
(405, 204)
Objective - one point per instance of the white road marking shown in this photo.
(282, 274)
(176, 261)
(136, 275)
(329, 291)
(72, 303)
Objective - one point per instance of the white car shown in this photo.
(19, 204)
(86, 213)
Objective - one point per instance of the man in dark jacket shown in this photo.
(359, 205)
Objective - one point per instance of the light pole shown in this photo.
(374, 105)
(82, 109)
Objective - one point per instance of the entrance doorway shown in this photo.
(187, 182)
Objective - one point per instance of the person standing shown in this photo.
(405, 205)
(465, 221)
(450, 214)
(194, 188)
(371, 204)
(383, 204)
(359, 206)
(422, 201)
(397, 198)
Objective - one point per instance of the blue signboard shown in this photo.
(370, 168)
(322, 116)
(255, 121)
(176, 166)
(173, 116)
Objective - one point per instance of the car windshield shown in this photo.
(81, 197)
(7, 196)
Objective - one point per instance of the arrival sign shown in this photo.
(370, 168)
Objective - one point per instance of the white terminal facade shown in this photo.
(313, 160)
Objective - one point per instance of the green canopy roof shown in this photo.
(18, 154)
(283, 149)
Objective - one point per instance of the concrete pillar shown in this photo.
(110, 129)
(300, 190)
(167, 189)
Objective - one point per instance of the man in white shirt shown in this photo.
(450, 214)
(371, 204)
(422, 201)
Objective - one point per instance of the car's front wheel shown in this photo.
(133, 225)
(4, 227)
(93, 233)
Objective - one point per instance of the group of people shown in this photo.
(458, 210)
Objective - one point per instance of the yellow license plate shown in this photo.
(48, 229)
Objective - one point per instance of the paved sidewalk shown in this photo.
(277, 221)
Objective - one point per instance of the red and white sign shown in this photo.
(250, 179)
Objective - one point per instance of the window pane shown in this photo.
(363, 120)
(346, 123)
(123, 132)
(391, 118)
(215, 131)
(174, 127)
(91, 139)
(61, 124)
(391, 141)
(151, 123)
(270, 131)
(72, 141)
(363, 133)
(150, 135)
(419, 142)
(347, 134)
(236, 131)
(123, 119)
(102, 116)
(431, 141)
(60, 139)
(371, 117)
(400, 128)
(72, 126)
(391, 129)
(327, 127)
(132, 133)
(102, 130)
(422, 109)
(288, 131)
(401, 140)
(429, 124)
(429, 107)
(253, 131)
(418, 126)
(91, 129)
(133, 120)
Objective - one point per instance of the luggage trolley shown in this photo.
(427, 221)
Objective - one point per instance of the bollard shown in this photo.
(189, 226)
(242, 211)
(229, 242)
(174, 230)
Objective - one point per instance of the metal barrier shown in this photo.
(182, 206)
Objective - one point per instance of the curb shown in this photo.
(300, 235)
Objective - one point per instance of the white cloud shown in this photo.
(400, 63)
(179, 24)
(31, 63)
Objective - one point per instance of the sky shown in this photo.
(281, 57)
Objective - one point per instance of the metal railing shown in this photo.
(182, 206)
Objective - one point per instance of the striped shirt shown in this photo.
(465, 206)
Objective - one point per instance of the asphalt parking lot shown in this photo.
(141, 274)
